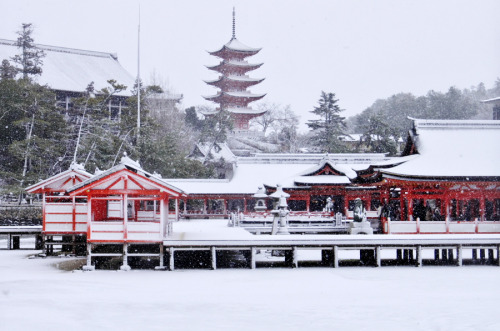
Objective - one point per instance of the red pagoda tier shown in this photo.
(233, 82)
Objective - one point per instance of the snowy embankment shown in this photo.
(34, 294)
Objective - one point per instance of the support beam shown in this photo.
(214, 257)
(125, 266)
(171, 265)
(295, 257)
(253, 251)
(498, 255)
(89, 266)
(459, 255)
(162, 256)
(378, 257)
(335, 252)
(419, 256)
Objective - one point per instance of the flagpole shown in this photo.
(139, 77)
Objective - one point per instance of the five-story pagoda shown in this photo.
(234, 81)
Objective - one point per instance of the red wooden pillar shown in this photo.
(43, 212)
(482, 208)
(89, 216)
(308, 203)
(244, 205)
(409, 198)
(74, 213)
(125, 215)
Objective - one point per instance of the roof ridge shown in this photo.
(64, 49)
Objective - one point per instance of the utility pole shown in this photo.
(139, 77)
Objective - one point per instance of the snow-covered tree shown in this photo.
(29, 61)
(330, 127)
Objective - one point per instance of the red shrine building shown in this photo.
(233, 83)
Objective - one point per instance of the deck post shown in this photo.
(335, 252)
(377, 256)
(162, 256)
(253, 251)
(9, 241)
(125, 266)
(39, 241)
(419, 256)
(295, 257)
(459, 255)
(498, 255)
(171, 265)
(214, 258)
(89, 266)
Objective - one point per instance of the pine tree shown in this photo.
(7, 71)
(327, 130)
(30, 60)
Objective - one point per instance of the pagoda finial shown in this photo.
(234, 25)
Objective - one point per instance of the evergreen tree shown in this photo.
(327, 130)
(192, 119)
(7, 71)
(378, 136)
(32, 132)
(30, 60)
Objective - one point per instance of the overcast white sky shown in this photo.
(360, 50)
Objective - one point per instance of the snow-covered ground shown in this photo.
(36, 294)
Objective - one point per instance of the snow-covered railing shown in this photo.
(64, 217)
(116, 231)
(436, 227)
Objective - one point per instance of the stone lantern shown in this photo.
(280, 221)
(261, 196)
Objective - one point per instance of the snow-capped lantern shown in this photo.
(261, 196)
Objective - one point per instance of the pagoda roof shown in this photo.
(237, 64)
(235, 79)
(235, 94)
(234, 45)
(245, 110)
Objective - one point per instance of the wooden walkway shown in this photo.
(14, 234)
(370, 246)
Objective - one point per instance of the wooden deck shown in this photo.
(369, 246)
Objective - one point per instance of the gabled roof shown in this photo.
(451, 149)
(62, 181)
(218, 151)
(68, 69)
(111, 180)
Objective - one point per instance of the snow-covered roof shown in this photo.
(235, 63)
(237, 94)
(272, 170)
(492, 100)
(235, 45)
(245, 110)
(357, 137)
(218, 151)
(68, 69)
(129, 164)
(61, 181)
(452, 148)
(245, 79)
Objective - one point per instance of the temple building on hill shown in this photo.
(233, 82)
(68, 72)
